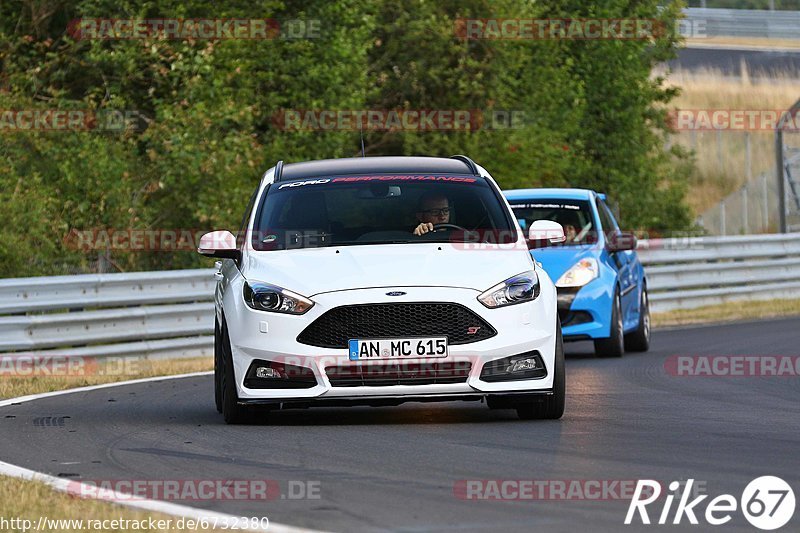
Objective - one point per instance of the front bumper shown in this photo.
(520, 329)
(585, 312)
(507, 399)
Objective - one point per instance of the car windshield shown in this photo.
(357, 210)
(574, 215)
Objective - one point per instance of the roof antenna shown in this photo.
(361, 133)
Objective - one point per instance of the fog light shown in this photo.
(265, 372)
(528, 365)
(278, 375)
(524, 364)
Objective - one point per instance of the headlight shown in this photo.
(579, 274)
(265, 297)
(521, 288)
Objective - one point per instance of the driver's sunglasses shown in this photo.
(437, 212)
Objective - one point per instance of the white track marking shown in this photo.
(71, 486)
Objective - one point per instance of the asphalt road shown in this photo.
(729, 62)
(395, 468)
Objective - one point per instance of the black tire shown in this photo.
(217, 366)
(639, 340)
(231, 410)
(613, 346)
(551, 407)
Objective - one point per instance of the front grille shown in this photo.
(398, 373)
(566, 295)
(575, 318)
(396, 320)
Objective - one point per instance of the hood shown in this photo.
(558, 259)
(311, 271)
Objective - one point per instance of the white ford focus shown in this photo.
(383, 280)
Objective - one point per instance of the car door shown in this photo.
(627, 270)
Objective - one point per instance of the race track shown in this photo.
(767, 63)
(395, 468)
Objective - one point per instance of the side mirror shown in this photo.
(220, 244)
(544, 232)
(620, 241)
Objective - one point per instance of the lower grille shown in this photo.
(394, 373)
(370, 321)
(575, 318)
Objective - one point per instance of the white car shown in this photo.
(329, 295)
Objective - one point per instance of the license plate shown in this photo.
(415, 348)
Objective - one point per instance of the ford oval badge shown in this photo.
(395, 293)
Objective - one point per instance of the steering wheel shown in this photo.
(437, 227)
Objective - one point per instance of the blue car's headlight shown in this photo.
(265, 297)
(521, 288)
(580, 273)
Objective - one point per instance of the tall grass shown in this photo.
(721, 160)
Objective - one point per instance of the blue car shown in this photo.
(602, 288)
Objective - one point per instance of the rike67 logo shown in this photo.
(767, 503)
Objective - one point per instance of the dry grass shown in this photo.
(104, 372)
(756, 42)
(721, 161)
(759, 42)
(755, 310)
(30, 500)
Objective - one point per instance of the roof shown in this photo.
(375, 165)
(535, 194)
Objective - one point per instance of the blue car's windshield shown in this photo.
(574, 215)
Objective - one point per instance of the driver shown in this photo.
(433, 208)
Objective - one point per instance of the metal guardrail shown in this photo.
(170, 314)
(154, 314)
(745, 22)
(688, 273)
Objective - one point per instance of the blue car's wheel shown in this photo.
(614, 345)
(639, 340)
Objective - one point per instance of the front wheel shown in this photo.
(614, 345)
(639, 340)
(217, 366)
(551, 407)
(231, 410)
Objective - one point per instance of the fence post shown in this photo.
(765, 193)
(781, 185)
(747, 155)
(722, 217)
(744, 210)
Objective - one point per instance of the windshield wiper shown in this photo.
(348, 243)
